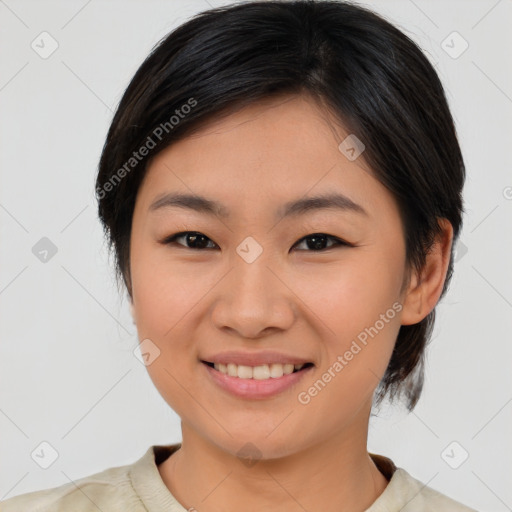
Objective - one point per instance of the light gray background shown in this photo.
(68, 375)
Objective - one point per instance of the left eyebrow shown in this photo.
(322, 202)
(293, 208)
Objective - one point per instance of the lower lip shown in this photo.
(253, 388)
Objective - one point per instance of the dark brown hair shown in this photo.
(373, 78)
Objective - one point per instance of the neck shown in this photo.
(336, 475)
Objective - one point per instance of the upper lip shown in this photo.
(254, 358)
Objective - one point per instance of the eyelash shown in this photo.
(338, 241)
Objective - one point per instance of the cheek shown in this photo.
(360, 313)
(163, 297)
(351, 295)
(169, 298)
(354, 358)
(163, 291)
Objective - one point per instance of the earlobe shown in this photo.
(424, 289)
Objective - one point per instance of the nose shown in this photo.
(253, 300)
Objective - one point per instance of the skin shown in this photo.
(292, 298)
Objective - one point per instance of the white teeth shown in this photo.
(244, 372)
(261, 372)
(276, 371)
(287, 369)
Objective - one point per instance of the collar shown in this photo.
(156, 497)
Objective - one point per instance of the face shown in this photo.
(254, 284)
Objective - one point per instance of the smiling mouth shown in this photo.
(260, 372)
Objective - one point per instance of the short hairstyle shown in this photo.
(372, 77)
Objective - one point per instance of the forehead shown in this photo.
(275, 150)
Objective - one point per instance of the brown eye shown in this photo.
(317, 242)
(193, 240)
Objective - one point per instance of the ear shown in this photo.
(424, 290)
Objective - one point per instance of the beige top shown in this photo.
(138, 487)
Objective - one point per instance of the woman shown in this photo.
(281, 186)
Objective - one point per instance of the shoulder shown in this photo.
(414, 496)
(109, 490)
(407, 494)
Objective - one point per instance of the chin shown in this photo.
(255, 445)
